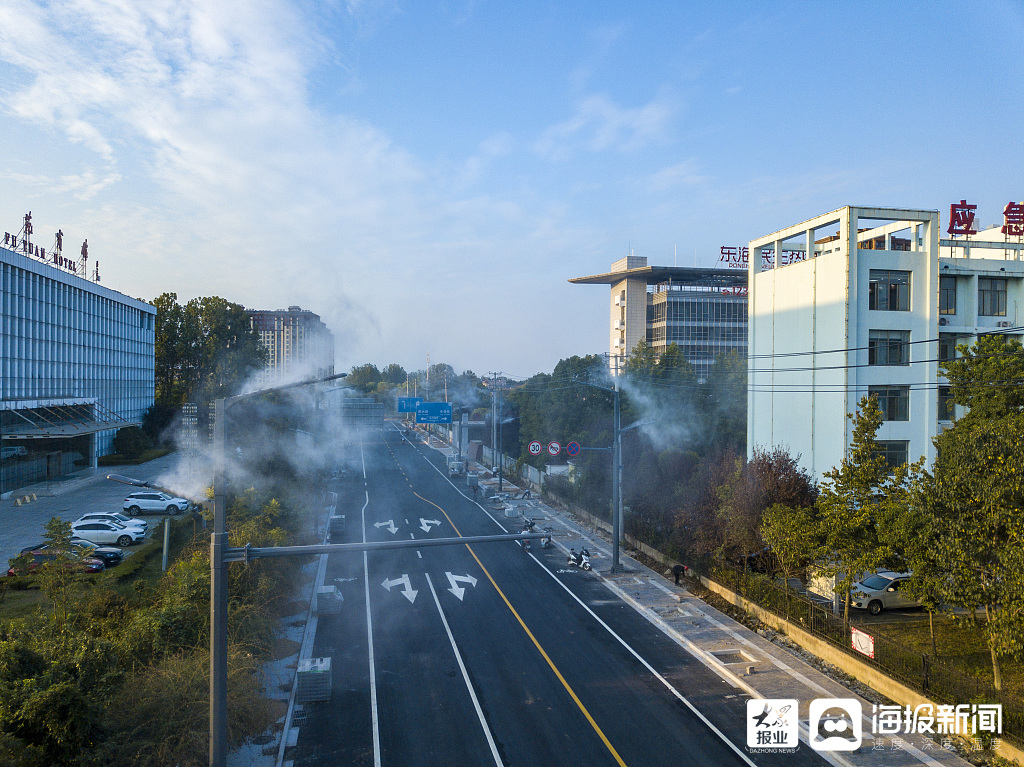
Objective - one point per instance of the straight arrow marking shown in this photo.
(456, 579)
(408, 591)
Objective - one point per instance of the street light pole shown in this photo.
(219, 599)
(218, 575)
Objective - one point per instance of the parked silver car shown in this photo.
(154, 500)
(108, 532)
(882, 591)
(113, 516)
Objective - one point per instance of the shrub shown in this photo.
(131, 442)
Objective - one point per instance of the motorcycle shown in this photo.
(581, 560)
(584, 559)
(529, 526)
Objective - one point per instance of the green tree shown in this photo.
(723, 403)
(363, 377)
(59, 574)
(131, 442)
(394, 374)
(204, 349)
(855, 498)
(987, 377)
(230, 347)
(793, 533)
(977, 497)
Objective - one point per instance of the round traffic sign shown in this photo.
(535, 448)
(573, 448)
(554, 448)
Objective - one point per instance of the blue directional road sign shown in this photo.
(434, 412)
(408, 404)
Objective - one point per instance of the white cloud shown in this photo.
(600, 125)
(681, 174)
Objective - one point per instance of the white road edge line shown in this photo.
(703, 657)
(465, 677)
(647, 665)
(369, 630)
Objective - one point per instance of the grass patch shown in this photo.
(115, 459)
(959, 644)
(22, 598)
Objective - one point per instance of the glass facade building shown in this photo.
(76, 364)
(701, 310)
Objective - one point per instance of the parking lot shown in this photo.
(68, 499)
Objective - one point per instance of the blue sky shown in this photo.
(427, 175)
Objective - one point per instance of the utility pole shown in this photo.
(616, 478)
(496, 427)
(616, 448)
(501, 454)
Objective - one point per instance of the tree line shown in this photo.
(958, 526)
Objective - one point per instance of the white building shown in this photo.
(878, 303)
(702, 310)
(76, 363)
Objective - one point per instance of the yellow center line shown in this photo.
(536, 644)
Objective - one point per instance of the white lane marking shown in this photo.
(707, 658)
(648, 666)
(409, 592)
(465, 677)
(454, 580)
(369, 632)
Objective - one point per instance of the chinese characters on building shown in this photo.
(738, 257)
(962, 219)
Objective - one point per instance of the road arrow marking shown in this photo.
(426, 523)
(344, 580)
(389, 526)
(410, 594)
(458, 590)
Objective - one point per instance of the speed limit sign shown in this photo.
(554, 448)
(535, 448)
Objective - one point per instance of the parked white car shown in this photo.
(113, 516)
(108, 532)
(882, 591)
(154, 500)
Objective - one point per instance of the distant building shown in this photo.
(298, 342)
(702, 310)
(76, 363)
(880, 299)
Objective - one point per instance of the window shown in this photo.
(947, 295)
(894, 402)
(888, 290)
(947, 347)
(946, 409)
(991, 297)
(894, 451)
(888, 347)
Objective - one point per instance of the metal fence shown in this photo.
(933, 677)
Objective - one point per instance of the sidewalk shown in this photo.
(753, 665)
(85, 477)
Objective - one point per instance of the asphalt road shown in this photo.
(488, 655)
